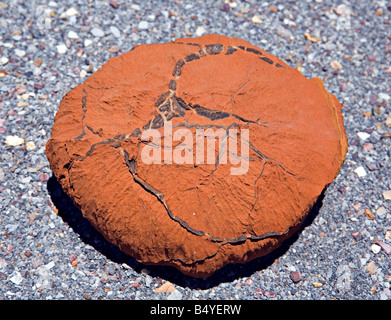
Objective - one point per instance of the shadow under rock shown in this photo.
(89, 235)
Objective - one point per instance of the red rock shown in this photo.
(135, 284)
(385, 246)
(72, 257)
(295, 276)
(43, 177)
(114, 4)
(193, 216)
(356, 235)
(38, 86)
(269, 294)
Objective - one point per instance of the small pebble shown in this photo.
(295, 276)
(371, 267)
(335, 65)
(369, 214)
(269, 294)
(73, 35)
(385, 246)
(96, 32)
(387, 194)
(30, 145)
(371, 166)
(143, 25)
(4, 61)
(20, 53)
(384, 96)
(38, 86)
(367, 147)
(165, 287)
(135, 284)
(283, 32)
(360, 171)
(14, 141)
(225, 7)
(372, 99)
(381, 212)
(61, 48)
(114, 30)
(71, 12)
(111, 270)
(87, 42)
(200, 31)
(375, 248)
(114, 4)
(363, 135)
(256, 19)
(356, 235)
(311, 38)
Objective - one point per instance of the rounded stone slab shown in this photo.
(127, 144)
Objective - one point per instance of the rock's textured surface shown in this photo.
(197, 217)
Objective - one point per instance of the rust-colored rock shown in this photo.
(193, 216)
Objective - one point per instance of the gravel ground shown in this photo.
(48, 251)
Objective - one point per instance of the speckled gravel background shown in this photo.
(48, 251)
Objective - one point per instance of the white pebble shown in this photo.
(13, 141)
(256, 19)
(282, 32)
(114, 30)
(3, 61)
(363, 135)
(73, 35)
(360, 171)
(135, 7)
(71, 12)
(30, 145)
(96, 32)
(200, 31)
(384, 96)
(20, 53)
(61, 48)
(83, 74)
(151, 17)
(143, 25)
(87, 42)
(375, 248)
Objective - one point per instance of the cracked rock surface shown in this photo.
(194, 216)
